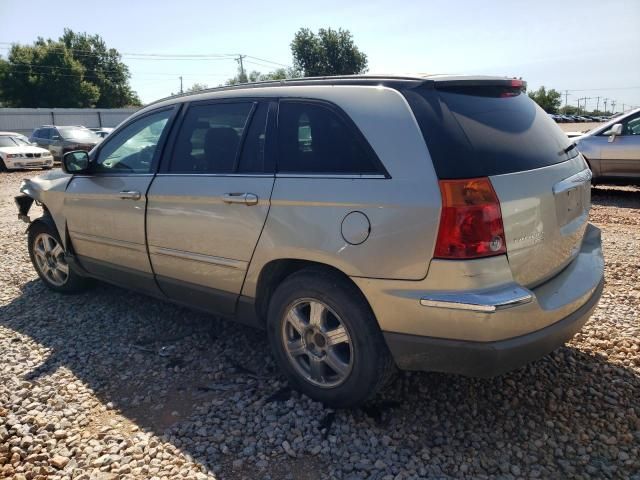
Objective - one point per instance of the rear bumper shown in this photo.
(486, 359)
(472, 318)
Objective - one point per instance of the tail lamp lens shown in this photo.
(471, 220)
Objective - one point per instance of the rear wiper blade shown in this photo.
(569, 148)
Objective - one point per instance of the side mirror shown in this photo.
(75, 162)
(614, 131)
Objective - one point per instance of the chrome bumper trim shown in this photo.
(487, 301)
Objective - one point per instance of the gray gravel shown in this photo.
(110, 384)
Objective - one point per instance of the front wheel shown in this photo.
(326, 339)
(48, 258)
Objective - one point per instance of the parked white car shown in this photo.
(16, 153)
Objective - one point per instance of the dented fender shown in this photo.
(47, 190)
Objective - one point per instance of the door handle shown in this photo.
(129, 195)
(244, 198)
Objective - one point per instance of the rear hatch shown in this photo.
(490, 128)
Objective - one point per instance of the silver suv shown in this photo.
(367, 223)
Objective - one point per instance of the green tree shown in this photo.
(45, 75)
(329, 52)
(549, 101)
(103, 68)
(196, 87)
(75, 71)
(255, 76)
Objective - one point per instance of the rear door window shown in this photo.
(479, 131)
(314, 138)
(210, 137)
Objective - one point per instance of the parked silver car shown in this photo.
(367, 223)
(613, 149)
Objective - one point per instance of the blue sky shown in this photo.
(591, 48)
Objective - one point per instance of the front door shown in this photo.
(106, 208)
(621, 157)
(209, 202)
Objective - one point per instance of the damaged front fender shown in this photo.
(47, 190)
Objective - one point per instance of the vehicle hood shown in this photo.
(23, 149)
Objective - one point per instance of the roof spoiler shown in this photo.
(443, 83)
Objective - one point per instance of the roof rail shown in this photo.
(327, 80)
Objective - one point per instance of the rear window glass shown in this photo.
(315, 139)
(77, 134)
(484, 131)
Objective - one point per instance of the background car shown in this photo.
(18, 135)
(16, 153)
(613, 149)
(102, 132)
(61, 139)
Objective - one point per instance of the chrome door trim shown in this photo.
(573, 181)
(107, 241)
(256, 175)
(332, 176)
(198, 257)
(488, 301)
(114, 174)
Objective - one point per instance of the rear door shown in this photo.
(492, 129)
(105, 210)
(621, 156)
(209, 203)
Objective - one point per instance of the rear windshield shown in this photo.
(77, 134)
(483, 131)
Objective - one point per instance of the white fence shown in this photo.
(25, 120)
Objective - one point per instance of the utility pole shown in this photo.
(613, 106)
(180, 77)
(605, 104)
(566, 95)
(242, 74)
(598, 106)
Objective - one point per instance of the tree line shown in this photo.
(79, 70)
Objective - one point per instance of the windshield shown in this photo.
(20, 141)
(8, 142)
(78, 134)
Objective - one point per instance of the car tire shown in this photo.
(3, 167)
(326, 339)
(47, 256)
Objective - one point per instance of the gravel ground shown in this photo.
(110, 384)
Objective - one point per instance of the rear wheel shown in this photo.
(327, 340)
(48, 258)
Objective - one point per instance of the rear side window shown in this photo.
(314, 138)
(210, 137)
(481, 131)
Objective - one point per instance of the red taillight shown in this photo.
(471, 221)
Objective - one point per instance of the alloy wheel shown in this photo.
(49, 256)
(317, 342)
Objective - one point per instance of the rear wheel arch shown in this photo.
(275, 272)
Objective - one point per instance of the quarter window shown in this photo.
(133, 148)
(210, 137)
(315, 139)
